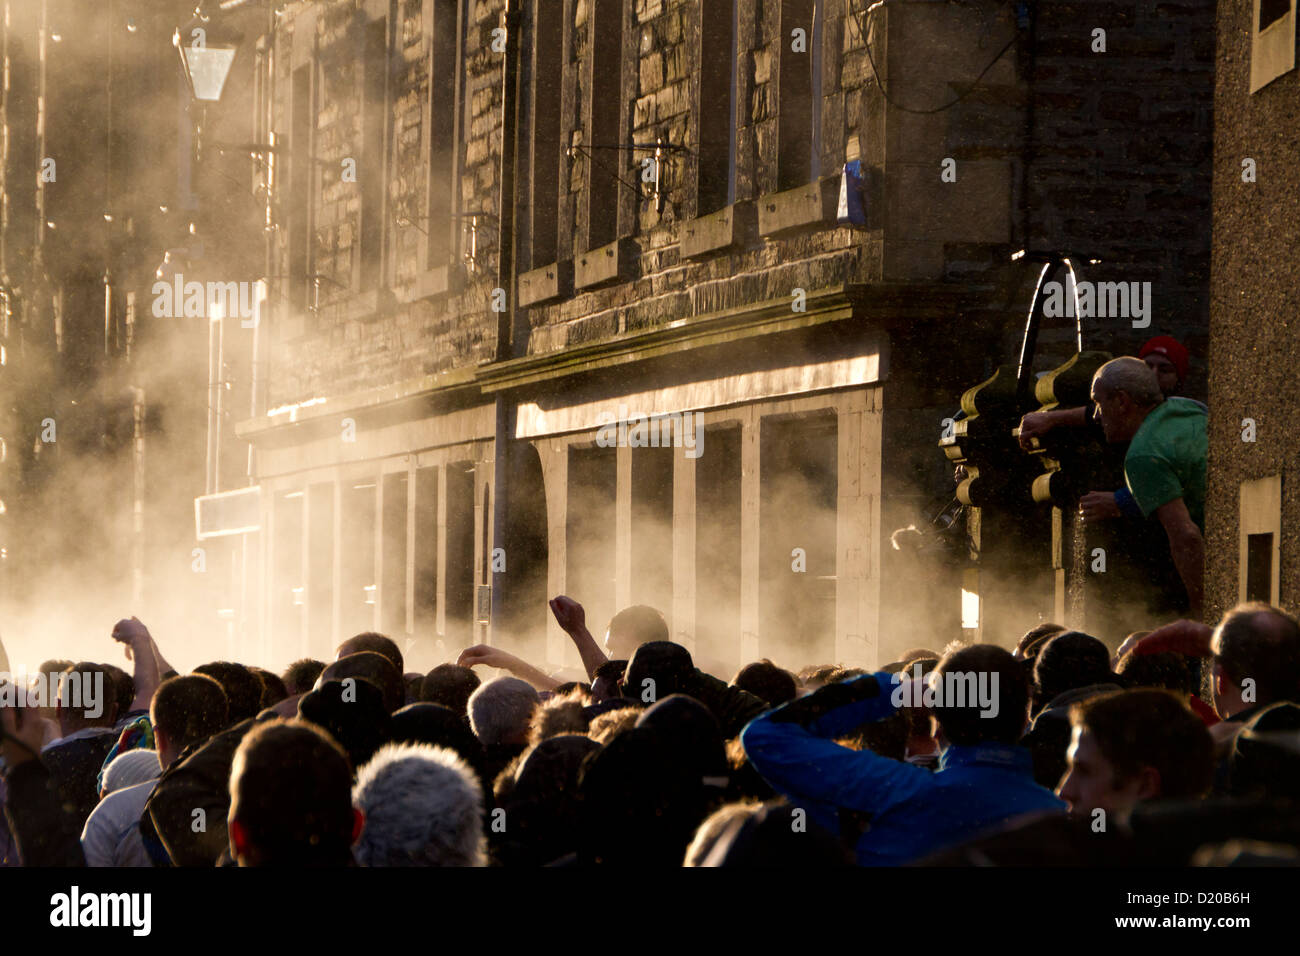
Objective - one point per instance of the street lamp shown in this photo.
(207, 50)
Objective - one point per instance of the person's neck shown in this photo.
(1140, 416)
(68, 728)
(1233, 706)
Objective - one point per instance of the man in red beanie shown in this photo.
(1167, 357)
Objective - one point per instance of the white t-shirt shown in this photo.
(112, 833)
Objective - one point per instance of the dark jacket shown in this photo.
(45, 828)
(198, 780)
(733, 707)
(74, 767)
(1048, 738)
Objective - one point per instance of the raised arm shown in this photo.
(495, 657)
(148, 674)
(793, 749)
(571, 617)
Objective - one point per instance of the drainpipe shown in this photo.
(511, 20)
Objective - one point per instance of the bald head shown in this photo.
(374, 642)
(1256, 651)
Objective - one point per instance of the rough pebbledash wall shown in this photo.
(1254, 302)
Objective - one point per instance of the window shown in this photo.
(1259, 567)
(799, 93)
(444, 77)
(370, 171)
(1270, 11)
(605, 72)
(1272, 41)
(716, 170)
(548, 71)
(1260, 531)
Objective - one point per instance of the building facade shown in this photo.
(1253, 538)
(566, 300)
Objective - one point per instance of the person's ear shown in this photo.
(1148, 783)
(358, 824)
(238, 840)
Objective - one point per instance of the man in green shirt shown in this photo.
(1166, 460)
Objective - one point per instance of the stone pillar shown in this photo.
(684, 569)
(857, 566)
(554, 456)
(750, 494)
(623, 530)
(442, 552)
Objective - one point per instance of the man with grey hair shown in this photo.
(422, 806)
(500, 714)
(1165, 465)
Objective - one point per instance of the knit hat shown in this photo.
(131, 767)
(1171, 349)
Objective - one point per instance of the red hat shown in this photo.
(1171, 349)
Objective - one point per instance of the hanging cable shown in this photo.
(860, 19)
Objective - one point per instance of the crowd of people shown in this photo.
(1182, 747)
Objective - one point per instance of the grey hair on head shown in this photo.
(1131, 376)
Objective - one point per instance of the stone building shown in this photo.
(1253, 533)
(501, 231)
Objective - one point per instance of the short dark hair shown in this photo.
(964, 726)
(376, 642)
(1167, 670)
(764, 679)
(568, 687)
(610, 670)
(412, 683)
(1027, 647)
(664, 662)
(1260, 642)
(818, 674)
(273, 688)
(87, 672)
(301, 675)
(451, 686)
(291, 792)
(372, 667)
(355, 715)
(1151, 728)
(189, 709)
(243, 688)
(1068, 661)
(123, 688)
(918, 654)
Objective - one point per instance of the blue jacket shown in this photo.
(913, 811)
